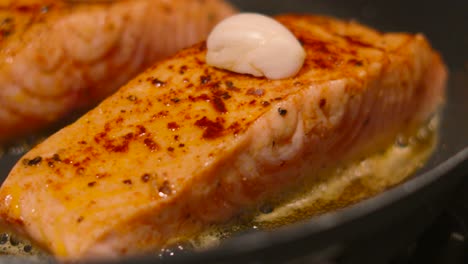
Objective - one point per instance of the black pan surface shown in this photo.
(369, 227)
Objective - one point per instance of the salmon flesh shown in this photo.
(58, 56)
(185, 145)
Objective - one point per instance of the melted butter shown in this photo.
(12, 245)
(337, 187)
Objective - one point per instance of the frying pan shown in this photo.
(369, 231)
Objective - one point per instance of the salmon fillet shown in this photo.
(57, 56)
(185, 145)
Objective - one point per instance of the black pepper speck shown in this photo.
(205, 79)
(37, 160)
(128, 182)
(157, 82)
(282, 111)
(56, 157)
(145, 177)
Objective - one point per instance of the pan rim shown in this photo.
(262, 240)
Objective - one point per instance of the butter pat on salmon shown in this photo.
(185, 144)
(254, 44)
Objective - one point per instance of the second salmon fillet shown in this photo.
(185, 145)
(58, 56)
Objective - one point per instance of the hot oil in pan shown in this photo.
(11, 245)
(331, 189)
(337, 187)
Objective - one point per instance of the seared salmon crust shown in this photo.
(185, 145)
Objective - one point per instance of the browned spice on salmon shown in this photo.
(154, 169)
(57, 56)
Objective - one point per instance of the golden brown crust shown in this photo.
(185, 145)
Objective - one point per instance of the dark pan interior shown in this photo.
(336, 234)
